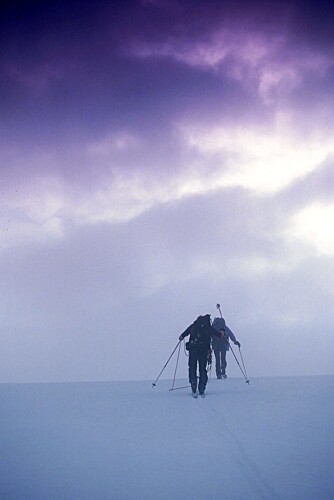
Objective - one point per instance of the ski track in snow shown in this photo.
(258, 485)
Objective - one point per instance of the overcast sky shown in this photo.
(158, 157)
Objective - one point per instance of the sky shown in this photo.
(158, 157)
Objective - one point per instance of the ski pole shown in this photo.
(243, 364)
(247, 381)
(218, 307)
(156, 380)
(177, 362)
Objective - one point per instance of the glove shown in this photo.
(237, 343)
(180, 337)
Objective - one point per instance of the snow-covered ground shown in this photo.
(271, 439)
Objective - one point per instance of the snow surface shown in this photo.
(271, 439)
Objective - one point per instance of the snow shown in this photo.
(270, 439)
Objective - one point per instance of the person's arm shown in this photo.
(186, 332)
(231, 335)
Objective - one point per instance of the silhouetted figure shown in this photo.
(199, 347)
(221, 345)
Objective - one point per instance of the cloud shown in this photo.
(313, 225)
(267, 62)
(262, 159)
(121, 141)
(101, 282)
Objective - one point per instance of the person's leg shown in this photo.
(192, 363)
(203, 376)
(217, 359)
(223, 362)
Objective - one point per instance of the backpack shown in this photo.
(201, 331)
(219, 324)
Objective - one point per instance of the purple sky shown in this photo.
(158, 157)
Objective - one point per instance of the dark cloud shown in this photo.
(77, 53)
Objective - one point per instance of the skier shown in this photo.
(199, 347)
(221, 345)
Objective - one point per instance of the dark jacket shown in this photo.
(201, 332)
(225, 334)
